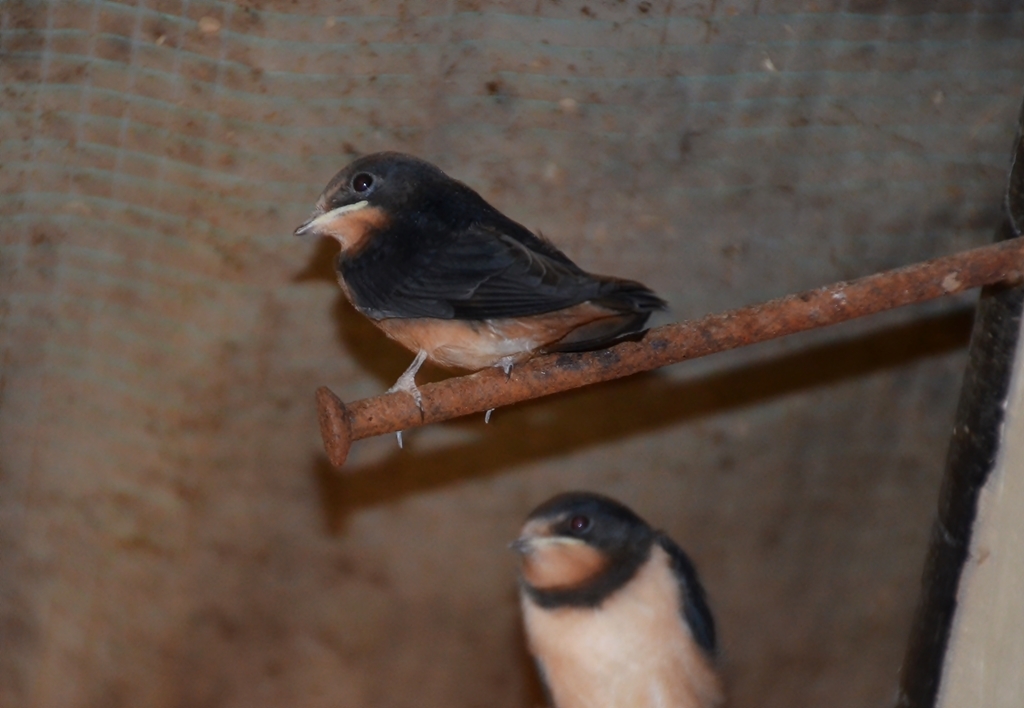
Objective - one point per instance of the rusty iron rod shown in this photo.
(341, 424)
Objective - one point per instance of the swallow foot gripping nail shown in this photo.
(487, 416)
(408, 386)
(407, 382)
(399, 436)
(506, 366)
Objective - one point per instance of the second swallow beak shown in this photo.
(522, 546)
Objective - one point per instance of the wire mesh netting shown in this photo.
(170, 532)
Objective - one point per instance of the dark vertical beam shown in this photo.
(972, 455)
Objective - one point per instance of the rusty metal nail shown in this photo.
(340, 425)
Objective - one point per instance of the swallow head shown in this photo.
(613, 611)
(579, 547)
(381, 190)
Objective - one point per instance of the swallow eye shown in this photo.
(579, 524)
(362, 182)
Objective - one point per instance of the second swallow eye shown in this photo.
(579, 523)
(362, 182)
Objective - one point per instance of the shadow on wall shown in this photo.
(579, 419)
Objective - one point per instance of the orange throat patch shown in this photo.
(353, 229)
(561, 564)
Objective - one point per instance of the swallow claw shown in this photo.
(408, 386)
(407, 381)
(506, 366)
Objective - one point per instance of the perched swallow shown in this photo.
(448, 276)
(614, 613)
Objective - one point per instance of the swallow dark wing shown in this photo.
(479, 272)
(694, 603)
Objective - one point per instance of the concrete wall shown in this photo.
(170, 532)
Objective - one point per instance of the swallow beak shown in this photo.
(306, 230)
(522, 546)
(316, 223)
(536, 535)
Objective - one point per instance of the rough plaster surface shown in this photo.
(170, 534)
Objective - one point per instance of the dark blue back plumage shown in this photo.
(694, 602)
(448, 254)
